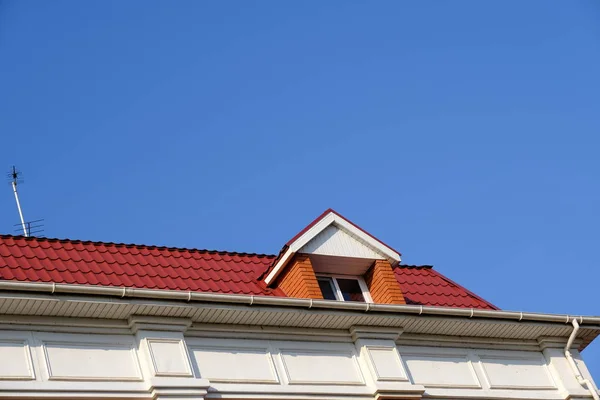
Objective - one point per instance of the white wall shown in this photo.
(163, 361)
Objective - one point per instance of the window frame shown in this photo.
(336, 288)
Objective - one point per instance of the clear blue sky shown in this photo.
(465, 134)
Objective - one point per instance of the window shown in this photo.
(344, 288)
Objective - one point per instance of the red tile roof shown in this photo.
(150, 267)
(109, 264)
(423, 285)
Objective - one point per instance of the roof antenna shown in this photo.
(14, 176)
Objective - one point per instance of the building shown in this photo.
(334, 315)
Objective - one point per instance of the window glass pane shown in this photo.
(350, 289)
(327, 288)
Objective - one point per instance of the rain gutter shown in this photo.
(250, 300)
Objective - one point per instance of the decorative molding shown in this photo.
(506, 371)
(235, 368)
(9, 349)
(268, 333)
(375, 332)
(466, 342)
(289, 364)
(169, 357)
(320, 368)
(546, 342)
(412, 392)
(98, 360)
(426, 366)
(390, 369)
(142, 322)
(178, 393)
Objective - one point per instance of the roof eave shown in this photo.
(293, 304)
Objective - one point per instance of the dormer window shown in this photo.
(334, 259)
(343, 288)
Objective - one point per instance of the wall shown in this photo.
(171, 358)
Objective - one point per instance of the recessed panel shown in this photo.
(386, 364)
(517, 372)
(169, 357)
(229, 364)
(15, 360)
(321, 367)
(452, 371)
(91, 361)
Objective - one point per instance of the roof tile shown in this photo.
(99, 263)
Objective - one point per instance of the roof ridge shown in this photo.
(146, 246)
(414, 266)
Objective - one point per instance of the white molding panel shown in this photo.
(517, 371)
(440, 368)
(321, 367)
(91, 361)
(169, 357)
(15, 360)
(234, 361)
(386, 363)
(496, 370)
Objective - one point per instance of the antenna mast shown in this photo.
(14, 175)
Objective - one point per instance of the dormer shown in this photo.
(334, 259)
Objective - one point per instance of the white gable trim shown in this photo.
(335, 241)
(319, 227)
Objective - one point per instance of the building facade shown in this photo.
(335, 315)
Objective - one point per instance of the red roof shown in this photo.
(151, 267)
(423, 285)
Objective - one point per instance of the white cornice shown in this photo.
(79, 301)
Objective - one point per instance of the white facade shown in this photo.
(69, 344)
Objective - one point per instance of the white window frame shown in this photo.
(336, 288)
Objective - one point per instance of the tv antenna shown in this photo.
(15, 178)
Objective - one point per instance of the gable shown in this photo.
(334, 241)
(331, 235)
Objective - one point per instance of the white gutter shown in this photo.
(580, 379)
(187, 296)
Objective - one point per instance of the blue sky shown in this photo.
(465, 134)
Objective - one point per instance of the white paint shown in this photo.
(442, 370)
(386, 363)
(169, 357)
(514, 372)
(321, 368)
(277, 363)
(333, 241)
(235, 364)
(90, 361)
(15, 360)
